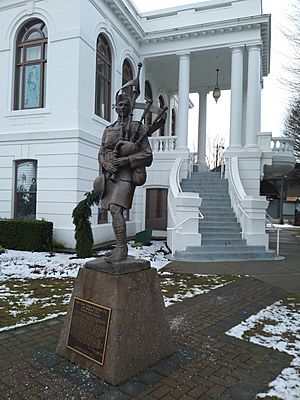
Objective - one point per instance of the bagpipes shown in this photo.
(161, 113)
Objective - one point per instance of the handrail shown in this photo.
(241, 208)
(175, 199)
(268, 219)
(237, 184)
(200, 216)
(237, 187)
(175, 189)
(178, 175)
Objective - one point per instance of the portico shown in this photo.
(242, 59)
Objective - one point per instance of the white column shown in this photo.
(259, 107)
(183, 101)
(253, 96)
(244, 115)
(202, 128)
(236, 104)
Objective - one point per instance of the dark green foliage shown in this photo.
(23, 234)
(292, 124)
(81, 219)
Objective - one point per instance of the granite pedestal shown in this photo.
(132, 333)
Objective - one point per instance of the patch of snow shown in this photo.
(283, 325)
(15, 264)
(155, 253)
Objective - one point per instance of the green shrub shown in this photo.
(2, 249)
(23, 234)
(81, 219)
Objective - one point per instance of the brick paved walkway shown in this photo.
(206, 365)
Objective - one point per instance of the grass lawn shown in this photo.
(25, 301)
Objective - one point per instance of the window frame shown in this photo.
(105, 56)
(127, 72)
(148, 96)
(22, 45)
(173, 122)
(16, 192)
(162, 103)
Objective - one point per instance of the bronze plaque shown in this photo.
(89, 329)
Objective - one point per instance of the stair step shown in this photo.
(218, 217)
(205, 191)
(222, 242)
(218, 224)
(215, 202)
(215, 231)
(210, 257)
(204, 185)
(222, 236)
(211, 212)
(228, 249)
(207, 210)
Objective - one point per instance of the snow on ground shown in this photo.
(16, 264)
(155, 253)
(277, 327)
(38, 286)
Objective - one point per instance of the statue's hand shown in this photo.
(109, 167)
(121, 161)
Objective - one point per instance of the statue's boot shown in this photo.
(119, 253)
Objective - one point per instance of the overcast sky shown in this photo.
(275, 96)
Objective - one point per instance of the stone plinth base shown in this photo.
(138, 334)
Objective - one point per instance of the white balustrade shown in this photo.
(163, 143)
(282, 145)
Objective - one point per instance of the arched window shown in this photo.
(127, 72)
(161, 102)
(127, 75)
(148, 96)
(173, 126)
(31, 65)
(103, 78)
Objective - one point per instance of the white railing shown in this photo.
(182, 207)
(250, 210)
(236, 190)
(282, 145)
(176, 228)
(163, 143)
(274, 228)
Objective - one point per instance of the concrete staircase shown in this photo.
(221, 233)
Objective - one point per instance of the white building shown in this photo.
(61, 63)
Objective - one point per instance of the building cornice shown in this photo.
(133, 21)
(128, 15)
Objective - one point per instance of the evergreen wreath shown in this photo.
(81, 219)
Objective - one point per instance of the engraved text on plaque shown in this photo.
(89, 329)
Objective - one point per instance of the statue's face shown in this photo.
(123, 108)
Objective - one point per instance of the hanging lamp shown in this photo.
(217, 91)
